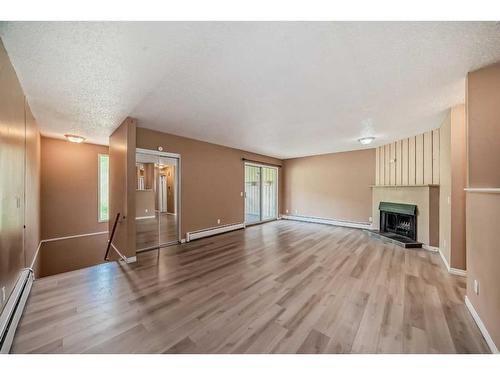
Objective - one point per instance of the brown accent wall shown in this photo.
(212, 178)
(32, 196)
(122, 186)
(71, 254)
(483, 259)
(12, 149)
(483, 140)
(332, 186)
(144, 203)
(410, 161)
(483, 111)
(70, 188)
(69, 196)
(19, 179)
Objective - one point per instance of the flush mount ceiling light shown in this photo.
(366, 140)
(74, 138)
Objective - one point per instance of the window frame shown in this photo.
(99, 219)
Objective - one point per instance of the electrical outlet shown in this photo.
(218, 221)
(286, 211)
(3, 294)
(241, 193)
(370, 219)
(476, 287)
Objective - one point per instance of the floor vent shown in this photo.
(212, 231)
(13, 310)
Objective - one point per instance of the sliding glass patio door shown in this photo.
(261, 193)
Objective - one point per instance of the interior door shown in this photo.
(252, 194)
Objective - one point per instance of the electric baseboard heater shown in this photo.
(13, 309)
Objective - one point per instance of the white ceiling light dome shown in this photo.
(366, 140)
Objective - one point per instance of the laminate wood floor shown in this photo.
(154, 231)
(280, 287)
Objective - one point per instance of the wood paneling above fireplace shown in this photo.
(411, 161)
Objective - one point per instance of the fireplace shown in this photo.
(398, 222)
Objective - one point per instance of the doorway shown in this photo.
(157, 199)
(261, 193)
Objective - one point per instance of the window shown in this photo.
(103, 188)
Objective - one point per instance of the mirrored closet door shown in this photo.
(157, 211)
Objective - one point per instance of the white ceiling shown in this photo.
(284, 89)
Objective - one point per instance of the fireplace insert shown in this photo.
(398, 218)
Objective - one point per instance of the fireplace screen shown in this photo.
(398, 218)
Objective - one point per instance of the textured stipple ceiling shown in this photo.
(285, 89)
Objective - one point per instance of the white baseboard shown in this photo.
(453, 271)
(481, 326)
(318, 220)
(130, 259)
(457, 271)
(430, 248)
(212, 231)
(144, 217)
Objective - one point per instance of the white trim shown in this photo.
(211, 231)
(123, 257)
(483, 190)
(74, 236)
(144, 217)
(340, 223)
(430, 248)
(481, 326)
(130, 259)
(36, 255)
(59, 239)
(453, 271)
(404, 186)
(443, 258)
(178, 177)
(157, 153)
(457, 271)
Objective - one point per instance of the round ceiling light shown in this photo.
(366, 140)
(74, 138)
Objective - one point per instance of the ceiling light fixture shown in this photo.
(74, 138)
(366, 140)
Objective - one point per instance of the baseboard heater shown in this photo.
(13, 310)
(212, 231)
(318, 220)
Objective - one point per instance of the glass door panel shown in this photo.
(166, 198)
(252, 194)
(146, 218)
(269, 193)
